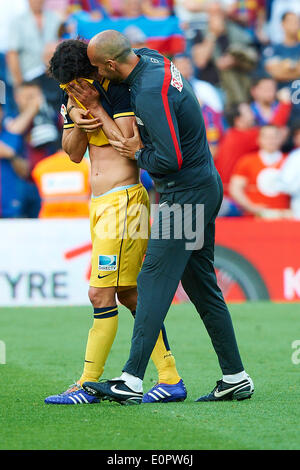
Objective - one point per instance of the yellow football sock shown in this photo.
(100, 339)
(164, 360)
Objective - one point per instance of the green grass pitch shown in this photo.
(45, 351)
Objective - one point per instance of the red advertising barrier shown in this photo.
(257, 259)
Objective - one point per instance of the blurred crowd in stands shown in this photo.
(242, 58)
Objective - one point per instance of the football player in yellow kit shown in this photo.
(119, 215)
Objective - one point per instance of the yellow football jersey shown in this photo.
(115, 99)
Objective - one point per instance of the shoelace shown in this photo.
(217, 386)
(72, 389)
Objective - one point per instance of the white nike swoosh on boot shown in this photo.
(122, 392)
(224, 392)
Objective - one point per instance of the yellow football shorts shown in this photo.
(120, 227)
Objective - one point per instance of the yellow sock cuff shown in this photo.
(106, 312)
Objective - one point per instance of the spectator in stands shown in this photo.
(289, 180)
(61, 7)
(296, 135)
(252, 182)
(238, 140)
(195, 12)
(36, 121)
(136, 36)
(125, 8)
(157, 8)
(204, 91)
(268, 102)
(9, 10)
(224, 57)
(282, 61)
(250, 15)
(30, 33)
(191, 19)
(13, 169)
(209, 100)
(97, 8)
(113, 7)
(64, 186)
(242, 136)
(276, 9)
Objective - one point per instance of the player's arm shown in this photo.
(74, 143)
(89, 97)
(107, 123)
(123, 114)
(83, 121)
(125, 125)
(164, 155)
(74, 140)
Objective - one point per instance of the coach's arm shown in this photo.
(157, 112)
(157, 115)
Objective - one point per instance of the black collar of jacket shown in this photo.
(136, 71)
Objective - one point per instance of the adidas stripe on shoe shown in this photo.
(74, 395)
(165, 393)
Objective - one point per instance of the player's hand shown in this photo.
(127, 146)
(83, 120)
(84, 92)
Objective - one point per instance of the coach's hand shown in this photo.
(84, 92)
(127, 146)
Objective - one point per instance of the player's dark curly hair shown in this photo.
(70, 61)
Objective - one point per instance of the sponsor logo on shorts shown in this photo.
(107, 263)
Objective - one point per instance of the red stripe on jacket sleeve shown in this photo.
(164, 93)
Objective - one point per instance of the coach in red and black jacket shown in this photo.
(170, 123)
(174, 150)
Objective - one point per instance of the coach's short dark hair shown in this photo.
(70, 61)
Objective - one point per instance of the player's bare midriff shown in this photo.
(109, 170)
